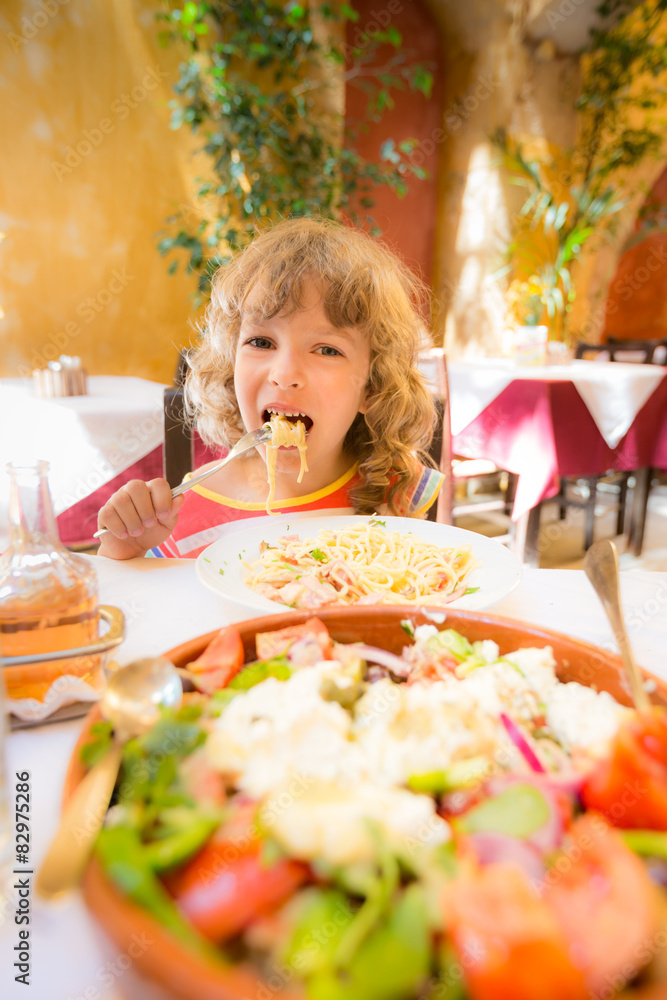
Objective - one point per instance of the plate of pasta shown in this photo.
(308, 562)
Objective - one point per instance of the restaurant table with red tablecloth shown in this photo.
(540, 427)
(93, 443)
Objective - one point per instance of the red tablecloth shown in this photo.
(542, 430)
(78, 523)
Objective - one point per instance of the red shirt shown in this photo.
(207, 516)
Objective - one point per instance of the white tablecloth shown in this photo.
(164, 605)
(87, 440)
(614, 393)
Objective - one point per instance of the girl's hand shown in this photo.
(138, 516)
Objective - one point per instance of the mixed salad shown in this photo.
(358, 825)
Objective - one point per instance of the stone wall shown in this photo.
(513, 63)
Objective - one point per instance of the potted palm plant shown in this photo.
(572, 196)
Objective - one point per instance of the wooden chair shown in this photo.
(178, 447)
(629, 351)
(657, 347)
(644, 478)
(457, 469)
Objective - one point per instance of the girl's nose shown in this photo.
(286, 372)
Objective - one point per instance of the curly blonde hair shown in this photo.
(363, 285)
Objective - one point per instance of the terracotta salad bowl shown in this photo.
(173, 966)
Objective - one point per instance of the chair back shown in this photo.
(432, 363)
(178, 449)
(629, 351)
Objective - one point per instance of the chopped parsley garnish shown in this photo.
(319, 555)
(221, 572)
(375, 521)
(471, 590)
(205, 559)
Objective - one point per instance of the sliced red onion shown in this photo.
(396, 664)
(521, 743)
(305, 651)
(498, 848)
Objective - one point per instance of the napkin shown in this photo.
(67, 690)
(615, 393)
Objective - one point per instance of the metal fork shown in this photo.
(247, 442)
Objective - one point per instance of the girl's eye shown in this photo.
(262, 342)
(329, 352)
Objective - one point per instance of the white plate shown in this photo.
(220, 566)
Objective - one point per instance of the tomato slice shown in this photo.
(220, 661)
(605, 903)
(629, 787)
(507, 939)
(226, 885)
(278, 643)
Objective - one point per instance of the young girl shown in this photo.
(317, 321)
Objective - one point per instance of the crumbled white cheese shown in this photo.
(488, 650)
(424, 632)
(538, 668)
(323, 772)
(500, 687)
(281, 729)
(580, 717)
(411, 730)
(335, 823)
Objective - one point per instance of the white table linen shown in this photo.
(614, 393)
(87, 440)
(165, 605)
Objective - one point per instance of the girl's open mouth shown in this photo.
(293, 417)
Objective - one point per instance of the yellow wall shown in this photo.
(89, 170)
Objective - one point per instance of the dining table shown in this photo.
(165, 604)
(550, 422)
(93, 443)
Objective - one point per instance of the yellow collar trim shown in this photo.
(277, 504)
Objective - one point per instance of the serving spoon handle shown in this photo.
(601, 568)
(80, 824)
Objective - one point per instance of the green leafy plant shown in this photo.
(575, 195)
(552, 226)
(255, 87)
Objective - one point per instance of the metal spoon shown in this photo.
(248, 441)
(601, 567)
(131, 702)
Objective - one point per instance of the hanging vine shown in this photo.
(253, 88)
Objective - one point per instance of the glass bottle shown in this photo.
(48, 595)
(5, 828)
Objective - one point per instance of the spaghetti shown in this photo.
(366, 564)
(285, 434)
